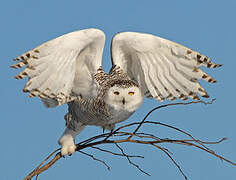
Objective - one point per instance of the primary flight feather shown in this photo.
(68, 70)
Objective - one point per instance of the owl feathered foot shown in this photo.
(67, 144)
(67, 140)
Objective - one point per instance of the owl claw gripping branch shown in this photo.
(67, 70)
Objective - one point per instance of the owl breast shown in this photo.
(118, 115)
(95, 113)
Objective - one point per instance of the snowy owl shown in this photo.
(67, 70)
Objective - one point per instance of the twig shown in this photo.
(116, 154)
(166, 105)
(137, 166)
(37, 171)
(175, 163)
(96, 159)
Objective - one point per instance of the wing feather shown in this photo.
(63, 68)
(163, 69)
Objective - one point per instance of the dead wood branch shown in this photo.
(122, 135)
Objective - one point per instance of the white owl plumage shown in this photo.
(68, 70)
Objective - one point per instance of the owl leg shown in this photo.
(67, 140)
(110, 127)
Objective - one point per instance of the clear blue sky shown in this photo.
(28, 131)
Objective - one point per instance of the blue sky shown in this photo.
(29, 131)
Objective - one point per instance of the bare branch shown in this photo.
(172, 159)
(96, 159)
(116, 154)
(166, 105)
(38, 171)
(121, 135)
(137, 166)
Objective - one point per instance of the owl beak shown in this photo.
(123, 101)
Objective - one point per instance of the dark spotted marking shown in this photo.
(209, 65)
(201, 90)
(31, 67)
(37, 90)
(61, 93)
(22, 57)
(204, 76)
(31, 95)
(190, 93)
(36, 50)
(210, 80)
(59, 99)
(196, 97)
(52, 94)
(44, 94)
(35, 57)
(214, 81)
(26, 90)
(199, 56)
(205, 59)
(25, 62)
(189, 52)
(16, 59)
(206, 96)
(177, 90)
(149, 96)
(24, 73)
(18, 77)
(199, 61)
(28, 55)
(181, 96)
(193, 80)
(41, 96)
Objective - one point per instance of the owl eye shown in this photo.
(131, 93)
(116, 93)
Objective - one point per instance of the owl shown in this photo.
(67, 70)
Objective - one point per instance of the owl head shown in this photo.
(124, 96)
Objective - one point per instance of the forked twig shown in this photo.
(96, 159)
(132, 163)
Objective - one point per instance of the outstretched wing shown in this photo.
(62, 68)
(162, 68)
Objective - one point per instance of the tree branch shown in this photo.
(137, 166)
(96, 159)
(121, 135)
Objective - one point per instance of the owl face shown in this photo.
(121, 98)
